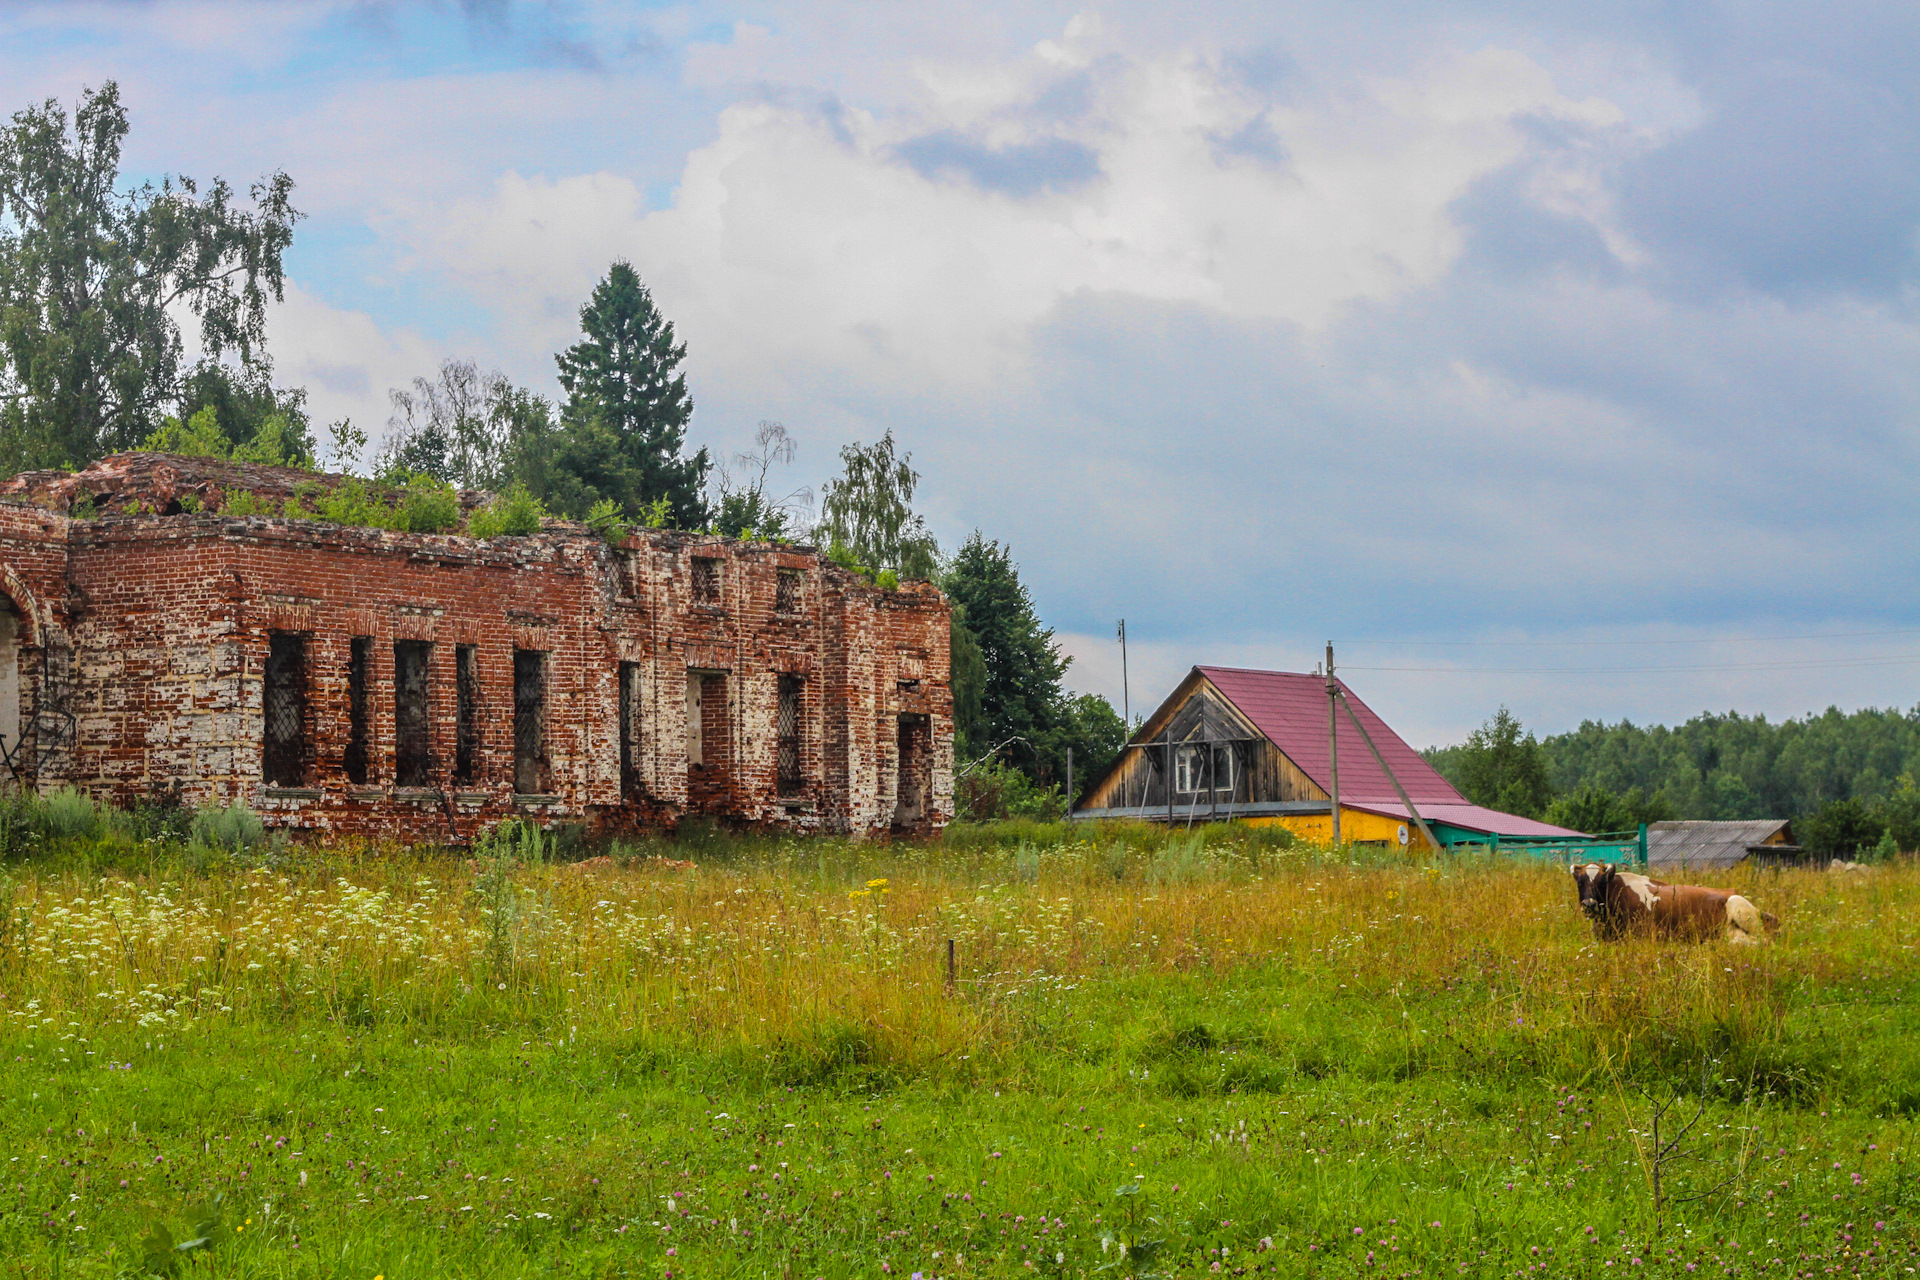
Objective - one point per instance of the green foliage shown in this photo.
(243, 502)
(514, 514)
(967, 676)
(887, 580)
(1901, 813)
(71, 814)
(657, 514)
(467, 427)
(1190, 1044)
(1088, 724)
(996, 790)
(427, 505)
(352, 502)
(841, 554)
(275, 443)
(260, 422)
(606, 519)
(625, 418)
(165, 1252)
(198, 437)
(1841, 829)
(1594, 810)
(235, 829)
(345, 444)
(747, 508)
(1007, 675)
(1732, 766)
(93, 277)
(868, 510)
(1501, 766)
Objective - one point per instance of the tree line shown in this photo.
(96, 276)
(1845, 779)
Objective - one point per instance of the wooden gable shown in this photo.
(1208, 750)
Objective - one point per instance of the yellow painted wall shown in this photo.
(1354, 825)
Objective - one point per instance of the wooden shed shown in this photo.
(1254, 746)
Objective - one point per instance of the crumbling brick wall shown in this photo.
(171, 624)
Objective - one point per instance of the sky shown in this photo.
(1563, 357)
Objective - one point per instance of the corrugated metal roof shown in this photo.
(1291, 709)
(1706, 844)
(1470, 817)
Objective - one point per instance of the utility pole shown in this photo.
(1333, 741)
(1069, 784)
(1126, 707)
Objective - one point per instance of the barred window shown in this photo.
(786, 591)
(359, 730)
(789, 721)
(412, 727)
(466, 713)
(285, 748)
(706, 580)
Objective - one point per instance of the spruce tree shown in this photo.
(625, 419)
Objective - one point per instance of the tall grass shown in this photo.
(773, 949)
(734, 1056)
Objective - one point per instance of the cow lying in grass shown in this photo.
(1622, 902)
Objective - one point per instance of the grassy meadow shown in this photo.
(1176, 1054)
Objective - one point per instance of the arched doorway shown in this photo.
(11, 634)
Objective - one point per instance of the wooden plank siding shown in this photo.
(1197, 713)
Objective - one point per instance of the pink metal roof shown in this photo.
(1469, 816)
(1291, 709)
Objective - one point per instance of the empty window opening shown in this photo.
(412, 725)
(359, 664)
(696, 754)
(786, 591)
(629, 729)
(531, 775)
(709, 743)
(466, 713)
(788, 721)
(913, 773)
(706, 580)
(284, 752)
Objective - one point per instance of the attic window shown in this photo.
(706, 581)
(1191, 773)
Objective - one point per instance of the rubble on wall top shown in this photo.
(147, 484)
(156, 483)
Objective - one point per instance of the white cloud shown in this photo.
(801, 239)
(345, 359)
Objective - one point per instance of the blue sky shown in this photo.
(1562, 356)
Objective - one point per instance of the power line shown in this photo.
(1827, 663)
(1707, 640)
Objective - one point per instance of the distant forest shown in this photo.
(1846, 778)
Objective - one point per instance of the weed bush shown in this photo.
(73, 815)
(233, 830)
(513, 514)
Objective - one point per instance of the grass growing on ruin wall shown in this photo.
(723, 1056)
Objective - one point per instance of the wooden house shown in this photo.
(1715, 846)
(1254, 746)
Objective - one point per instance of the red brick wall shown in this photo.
(167, 622)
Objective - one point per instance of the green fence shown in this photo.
(1629, 847)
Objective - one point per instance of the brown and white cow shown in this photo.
(1624, 902)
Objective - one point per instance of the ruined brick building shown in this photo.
(374, 682)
